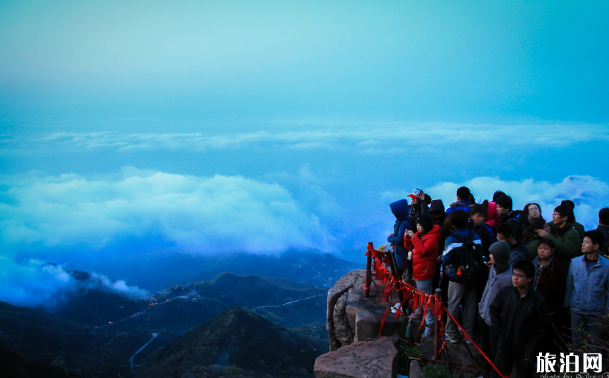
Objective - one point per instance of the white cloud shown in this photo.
(34, 283)
(371, 137)
(196, 213)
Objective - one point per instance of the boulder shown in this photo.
(369, 359)
(352, 318)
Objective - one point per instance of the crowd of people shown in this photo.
(519, 285)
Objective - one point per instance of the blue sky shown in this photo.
(199, 127)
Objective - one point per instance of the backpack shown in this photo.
(468, 263)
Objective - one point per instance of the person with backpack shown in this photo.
(400, 210)
(424, 246)
(463, 262)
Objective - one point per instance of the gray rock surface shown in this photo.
(352, 318)
(363, 359)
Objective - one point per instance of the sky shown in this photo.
(136, 130)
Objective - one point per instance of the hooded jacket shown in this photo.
(402, 223)
(499, 276)
(424, 254)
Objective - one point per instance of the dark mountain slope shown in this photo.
(236, 342)
(43, 337)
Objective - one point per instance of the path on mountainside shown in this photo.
(188, 296)
(291, 302)
(154, 336)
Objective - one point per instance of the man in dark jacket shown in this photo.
(508, 215)
(464, 200)
(603, 227)
(402, 223)
(519, 316)
(519, 251)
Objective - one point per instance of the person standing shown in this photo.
(587, 294)
(603, 227)
(419, 203)
(424, 245)
(461, 292)
(519, 251)
(499, 276)
(519, 316)
(566, 239)
(400, 210)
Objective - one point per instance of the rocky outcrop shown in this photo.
(352, 318)
(370, 359)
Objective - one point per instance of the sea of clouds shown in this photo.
(136, 213)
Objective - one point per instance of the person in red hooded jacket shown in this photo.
(424, 251)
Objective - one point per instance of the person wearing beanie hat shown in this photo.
(424, 246)
(576, 225)
(499, 276)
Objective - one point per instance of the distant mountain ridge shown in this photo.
(97, 332)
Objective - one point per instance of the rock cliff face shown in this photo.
(352, 318)
(354, 325)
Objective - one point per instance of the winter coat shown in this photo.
(566, 246)
(459, 205)
(588, 292)
(519, 252)
(513, 219)
(551, 283)
(424, 254)
(491, 216)
(402, 223)
(522, 324)
(496, 281)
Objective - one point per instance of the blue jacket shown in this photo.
(588, 292)
(459, 205)
(400, 209)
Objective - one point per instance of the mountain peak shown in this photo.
(236, 338)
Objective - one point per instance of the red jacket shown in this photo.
(424, 254)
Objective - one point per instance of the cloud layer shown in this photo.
(195, 213)
(373, 137)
